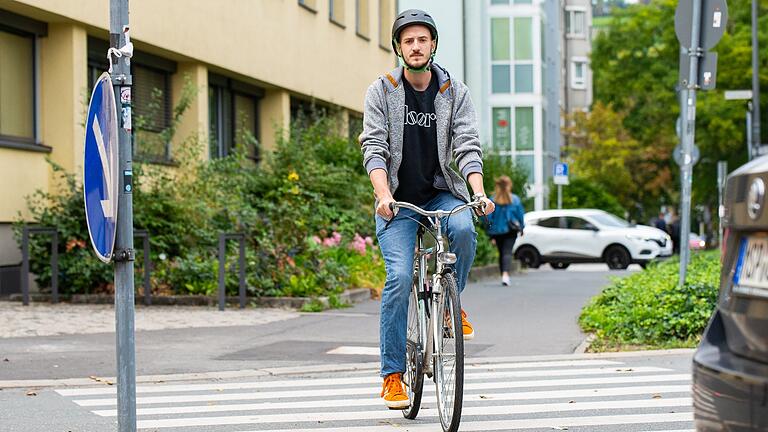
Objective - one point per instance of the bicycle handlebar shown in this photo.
(394, 206)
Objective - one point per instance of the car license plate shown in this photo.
(751, 275)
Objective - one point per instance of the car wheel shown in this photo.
(558, 265)
(529, 257)
(617, 258)
(644, 265)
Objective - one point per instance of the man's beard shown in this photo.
(407, 63)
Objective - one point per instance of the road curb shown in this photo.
(354, 295)
(585, 344)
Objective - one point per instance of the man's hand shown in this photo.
(488, 208)
(383, 209)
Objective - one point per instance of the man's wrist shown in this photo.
(478, 196)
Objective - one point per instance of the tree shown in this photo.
(635, 64)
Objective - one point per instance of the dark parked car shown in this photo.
(730, 367)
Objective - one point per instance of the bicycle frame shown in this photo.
(429, 296)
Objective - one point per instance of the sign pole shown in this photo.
(757, 149)
(722, 172)
(124, 253)
(688, 114)
(559, 196)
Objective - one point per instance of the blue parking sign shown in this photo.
(561, 169)
(100, 182)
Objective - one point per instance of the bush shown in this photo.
(649, 309)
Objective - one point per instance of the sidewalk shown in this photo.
(43, 319)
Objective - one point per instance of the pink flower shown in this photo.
(358, 244)
(329, 242)
(369, 241)
(316, 240)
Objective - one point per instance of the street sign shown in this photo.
(100, 182)
(738, 94)
(707, 70)
(677, 155)
(714, 16)
(561, 173)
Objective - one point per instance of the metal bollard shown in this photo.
(223, 237)
(25, 233)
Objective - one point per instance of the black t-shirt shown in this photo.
(420, 163)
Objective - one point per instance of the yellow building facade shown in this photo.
(251, 66)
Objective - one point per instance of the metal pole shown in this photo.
(688, 115)
(222, 270)
(722, 172)
(25, 266)
(559, 196)
(55, 266)
(124, 252)
(756, 144)
(147, 270)
(241, 268)
(750, 145)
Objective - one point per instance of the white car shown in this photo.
(562, 237)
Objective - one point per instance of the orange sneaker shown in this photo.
(466, 327)
(393, 394)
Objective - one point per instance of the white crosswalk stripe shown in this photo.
(579, 394)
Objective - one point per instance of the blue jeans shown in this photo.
(398, 243)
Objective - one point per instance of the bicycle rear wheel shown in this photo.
(414, 373)
(449, 361)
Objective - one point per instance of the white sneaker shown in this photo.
(505, 280)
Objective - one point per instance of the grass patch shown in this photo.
(648, 310)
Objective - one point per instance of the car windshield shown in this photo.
(609, 220)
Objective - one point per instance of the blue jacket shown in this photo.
(499, 219)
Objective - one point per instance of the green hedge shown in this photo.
(650, 310)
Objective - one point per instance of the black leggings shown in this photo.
(505, 243)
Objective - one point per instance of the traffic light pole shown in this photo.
(124, 253)
(688, 114)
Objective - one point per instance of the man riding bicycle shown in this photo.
(417, 121)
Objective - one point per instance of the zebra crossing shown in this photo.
(597, 394)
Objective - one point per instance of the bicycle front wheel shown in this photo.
(449, 358)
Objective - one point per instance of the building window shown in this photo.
(512, 55)
(362, 23)
(336, 12)
(355, 126)
(151, 99)
(579, 73)
(19, 81)
(152, 113)
(17, 86)
(305, 113)
(309, 4)
(526, 162)
(575, 22)
(501, 2)
(523, 128)
(233, 112)
(502, 137)
(386, 18)
(500, 47)
(500, 80)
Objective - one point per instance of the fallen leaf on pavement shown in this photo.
(31, 393)
(656, 396)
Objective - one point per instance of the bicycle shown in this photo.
(434, 322)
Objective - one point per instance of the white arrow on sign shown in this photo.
(107, 205)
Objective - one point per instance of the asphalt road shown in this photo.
(535, 315)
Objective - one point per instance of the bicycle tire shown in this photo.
(449, 376)
(414, 369)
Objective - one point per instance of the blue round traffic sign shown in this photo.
(100, 180)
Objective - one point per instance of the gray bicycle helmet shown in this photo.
(411, 17)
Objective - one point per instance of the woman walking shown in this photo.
(506, 223)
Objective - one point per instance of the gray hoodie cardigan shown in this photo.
(382, 137)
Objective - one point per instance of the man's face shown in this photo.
(416, 45)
